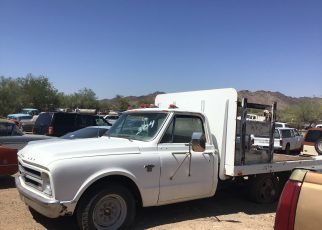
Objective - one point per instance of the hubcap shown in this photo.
(267, 190)
(320, 146)
(109, 212)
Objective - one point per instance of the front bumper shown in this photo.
(45, 206)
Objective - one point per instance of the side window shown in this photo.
(167, 137)
(85, 120)
(286, 133)
(64, 121)
(3, 129)
(181, 129)
(296, 133)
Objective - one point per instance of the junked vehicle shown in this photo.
(312, 144)
(10, 145)
(150, 157)
(111, 117)
(60, 123)
(9, 128)
(27, 125)
(30, 111)
(285, 139)
(8, 161)
(300, 203)
(281, 125)
(87, 132)
(19, 116)
(12, 140)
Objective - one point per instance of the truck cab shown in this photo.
(147, 157)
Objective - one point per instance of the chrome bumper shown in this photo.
(47, 207)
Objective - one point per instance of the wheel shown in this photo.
(287, 149)
(107, 209)
(264, 188)
(318, 146)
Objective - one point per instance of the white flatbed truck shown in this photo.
(156, 156)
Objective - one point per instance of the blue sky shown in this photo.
(136, 47)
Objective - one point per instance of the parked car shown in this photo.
(300, 203)
(8, 161)
(20, 141)
(312, 144)
(19, 116)
(27, 125)
(10, 144)
(60, 123)
(87, 132)
(285, 139)
(9, 128)
(30, 111)
(318, 126)
(112, 117)
(281, 125)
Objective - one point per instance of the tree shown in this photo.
(10, 96)
(38, 92)
(308, 112)
(85, 98)
(122, 103)
(105, 106)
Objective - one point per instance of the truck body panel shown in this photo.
(220, 108)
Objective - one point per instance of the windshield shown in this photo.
(138, 126)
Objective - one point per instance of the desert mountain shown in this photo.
(261, 96)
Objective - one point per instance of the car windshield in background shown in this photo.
(313, 135)
(87, 132)
(138, 126)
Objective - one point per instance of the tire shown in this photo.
(264, 189)
(287, 150)
(318, 146)
(106, 209)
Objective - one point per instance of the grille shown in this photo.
(31, 177)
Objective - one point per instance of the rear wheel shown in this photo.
(108, 209)
(318, 146)
(287, 149)
(264, 188)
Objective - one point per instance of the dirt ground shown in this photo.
(228, 209)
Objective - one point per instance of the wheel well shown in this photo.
(115, 179)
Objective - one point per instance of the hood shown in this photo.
(45, 152)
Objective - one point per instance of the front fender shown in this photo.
(103, 174)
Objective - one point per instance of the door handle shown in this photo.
(149, 167)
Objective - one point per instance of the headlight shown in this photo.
(46, 188)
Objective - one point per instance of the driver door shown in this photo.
(184, 176)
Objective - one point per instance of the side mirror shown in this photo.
(198, 142)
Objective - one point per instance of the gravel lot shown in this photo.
(228, 209)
